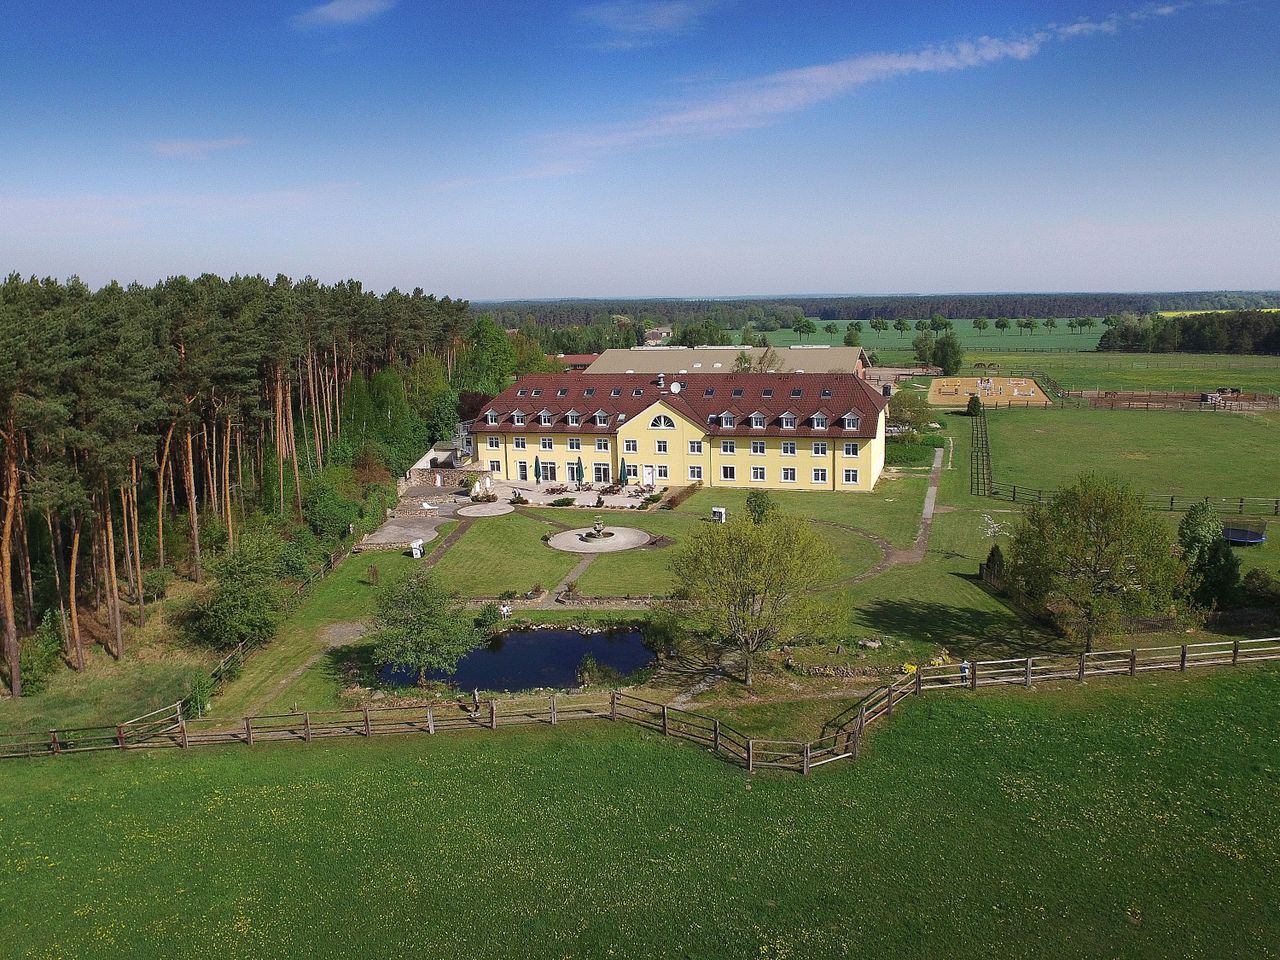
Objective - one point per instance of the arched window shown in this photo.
(662, 422)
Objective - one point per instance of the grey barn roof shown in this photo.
(676, 360)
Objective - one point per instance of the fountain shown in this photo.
(597, 531)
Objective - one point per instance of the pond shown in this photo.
(523, 659)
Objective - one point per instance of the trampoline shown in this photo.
(1245, 536)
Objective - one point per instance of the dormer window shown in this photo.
(757, 421)
(574, 419)
(788, 421)
(544, 419)
(491, 418)
(517, 419)
(819, 422)
(726, 419)
(851, 422)
(602, 419)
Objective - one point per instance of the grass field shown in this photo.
(1135, 818)
(992, 339)
(1162, 452)
(1148, 371)
(505, 553)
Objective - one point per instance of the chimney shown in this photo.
(662, 381)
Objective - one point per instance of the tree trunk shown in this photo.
(746, 659)
(193, 513)
(55, 552)
(226, 483)
(137, 544)
(11, 651)
(24, 567)
(71, 591)
(293, 449)
(161, 470)
(113, 585)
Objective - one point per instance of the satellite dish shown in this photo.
(675, 387)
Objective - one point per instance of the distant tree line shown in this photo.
(1236, 331)
(143, 429)
(773, 313)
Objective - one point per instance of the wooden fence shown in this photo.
(841, 737)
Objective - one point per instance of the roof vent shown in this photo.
(887, 390)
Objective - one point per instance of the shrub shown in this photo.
(231, 613)
(39, 653)
(518, 498)
(1261, 587)
(975, 406)
(199, 693)
(155, 582)
(563, 502)
(328, 511)
(488, 617)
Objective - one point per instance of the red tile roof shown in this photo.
(702, 398)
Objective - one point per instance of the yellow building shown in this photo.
(775, 431)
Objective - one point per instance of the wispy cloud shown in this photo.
(642, 23)
(195, 149)
(338, 13)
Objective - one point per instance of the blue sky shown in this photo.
(494, 149)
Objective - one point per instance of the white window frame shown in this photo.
(662, 422)
(575, 443)
(788, 448)
(847, 475)
(660, 446)
(491, 419)
(789, 422)
(851, 449)
(788, 470)
(544, 419)
(519, 443)
(851, 423)
(663, 472)
(495, 443)
(819, 448)
(757, 448)
(602, 444)
(633, 471)
(546, 443)
(630, 446)
(575, 420)
(757, 422)
(728, 446)
(757, 474)
(819, 422)
(518, 419)
(602, 419)
(726, 420)
(728, 472)
(819, 470)
(695, 448)
(695, 471)
(495, 466)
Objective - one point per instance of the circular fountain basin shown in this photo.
(584, 540)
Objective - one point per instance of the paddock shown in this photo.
(1004, 391)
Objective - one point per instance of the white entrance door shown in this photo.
(549, 472)
(600, 472)
(648, 475)
(522, 471)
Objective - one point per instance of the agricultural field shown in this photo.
(992, 339)
(1147, 371)
(1014, 819)
(1159, 452)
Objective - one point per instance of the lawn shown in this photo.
(1160, 452)
(1135, 818)
(505, 553)
(1146, 371)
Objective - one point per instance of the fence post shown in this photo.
(182, 731)
(919, 682)
(1235, 653)
(888, 712)
(1028, 680)
(973, 675)
(120, 735)
(366, 721)
(306, 726)
(805, 768)
(613, 704)
(431, 720)
(1133, 661)
(553, 709)
(53, 741)
(715, 736)
(665, 728)
(248, 730)
(1083, 657)
(751, 755)
(1182, 659)
(493, 714)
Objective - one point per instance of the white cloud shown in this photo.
(338, 13)
(195, 149)
(642, 23)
